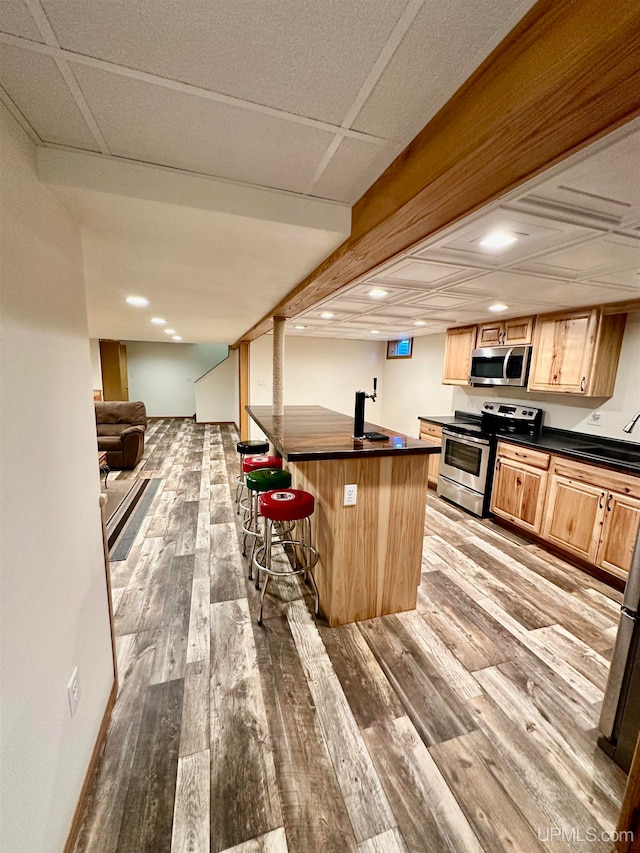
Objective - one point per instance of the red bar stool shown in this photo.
(247, 448)
(262, 473)
(287, 507)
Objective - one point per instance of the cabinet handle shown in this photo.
(609, 503)
(584, 379)
(498, 464)
(600, 502)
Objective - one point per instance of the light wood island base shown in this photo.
(371, 553)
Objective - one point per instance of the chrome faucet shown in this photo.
(631, 423)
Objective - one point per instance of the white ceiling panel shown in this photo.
(302, 57)
(145, 122)
(610, 253)
(16, 19)
(37, 88)
(604, 177)
(445, 44)
(419, 272)
(352, 170)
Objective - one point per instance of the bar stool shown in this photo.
(259, 479)
(289, 507)
(247, 448)
(253, 463)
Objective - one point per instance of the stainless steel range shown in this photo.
(469, 449)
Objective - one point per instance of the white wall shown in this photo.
(53, 597)
(163, 375)
(318, 371)
(566, 412)
(413, 386)
(217, 393)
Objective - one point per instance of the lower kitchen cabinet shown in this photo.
(574, 516)
(594, 513)
(433, 434)
(518, 493)
(590, 511)
(621, 521)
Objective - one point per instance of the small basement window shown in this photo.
(400, 349)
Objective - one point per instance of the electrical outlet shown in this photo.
(73, 691)
(350, 495)
(261, 383)
(594, 418)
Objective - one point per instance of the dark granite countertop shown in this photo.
(610, 452)
(312, 432)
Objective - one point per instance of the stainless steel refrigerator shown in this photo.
(620, 718)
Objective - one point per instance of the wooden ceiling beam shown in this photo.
(566, 75)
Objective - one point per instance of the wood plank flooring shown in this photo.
(468, 724)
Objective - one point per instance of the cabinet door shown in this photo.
(518, 331)
(621, 521)
(490, 334)
(434, 459)
(457, 355)
(573, 516)
(562, 352)
(518, 493)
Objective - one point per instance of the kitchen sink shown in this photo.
(613, 453)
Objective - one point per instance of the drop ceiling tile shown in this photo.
(352, 170)
(623, 278)
(605, 254)
(604, 177)
(394, 294)
(35, 85)
(418, 272)
(16, 19)
(534, 235)
(511, 286)
(304, 58)
(443, 46)
(443, 299)
(145, 122)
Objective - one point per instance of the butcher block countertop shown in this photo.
(307, 433)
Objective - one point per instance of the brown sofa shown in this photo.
(121, 427)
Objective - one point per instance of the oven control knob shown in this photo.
(489, 407)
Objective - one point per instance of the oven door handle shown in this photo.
(505, 366)
(465, 439)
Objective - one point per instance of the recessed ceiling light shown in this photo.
(374, 332)
(138, 301)
(419, 323)
(498, 306)
(376, 293)
(327, 315)
(169, 331)
(158, 321)
(300, 327)
(176, 337)
(498, 240)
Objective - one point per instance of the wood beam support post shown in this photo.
(243, 389)
(278, 366)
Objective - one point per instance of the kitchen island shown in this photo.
(370, 553)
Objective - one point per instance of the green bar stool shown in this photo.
(247, 448)
(259, 481)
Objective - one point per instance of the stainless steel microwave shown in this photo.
(500, 365)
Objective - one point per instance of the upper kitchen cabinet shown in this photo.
(577, 352)
(506, 332)
(457, 355)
